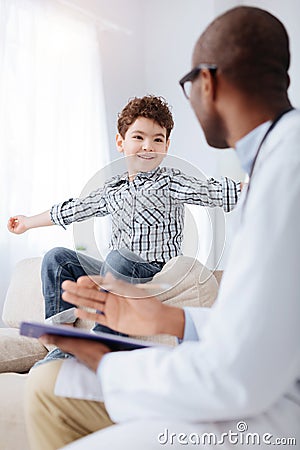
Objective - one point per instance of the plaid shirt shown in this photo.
(148, 212)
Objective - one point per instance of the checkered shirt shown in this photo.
(148, 212)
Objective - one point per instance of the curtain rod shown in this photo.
(105, 25)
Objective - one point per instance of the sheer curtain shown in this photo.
(52, 119)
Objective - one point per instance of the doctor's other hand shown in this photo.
(124, 307)
(88, 352)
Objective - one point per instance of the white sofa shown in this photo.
(193, 285)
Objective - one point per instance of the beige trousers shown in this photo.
(53, 421)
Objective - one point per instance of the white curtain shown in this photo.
(52, 119)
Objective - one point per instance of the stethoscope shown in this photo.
(271, 127)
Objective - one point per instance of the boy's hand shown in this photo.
(17, 224)
(128, 310)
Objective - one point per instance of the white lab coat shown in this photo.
(246, 366)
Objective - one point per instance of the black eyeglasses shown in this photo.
(187, 80)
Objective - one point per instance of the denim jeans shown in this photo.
(60, 264)
(127, 266)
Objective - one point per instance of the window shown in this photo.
(53, 127)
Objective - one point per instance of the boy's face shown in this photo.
(145, 145)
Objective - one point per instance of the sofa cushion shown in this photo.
(183, 282)
(187, 283)
(18, 353)
(13, 434)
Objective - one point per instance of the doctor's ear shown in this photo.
(119, 143)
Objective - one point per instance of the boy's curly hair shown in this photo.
(150, 107)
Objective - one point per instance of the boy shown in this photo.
(146, 205)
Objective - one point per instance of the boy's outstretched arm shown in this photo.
(19, 224)
(206, 192)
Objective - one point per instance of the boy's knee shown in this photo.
(119, 262)
(55, 256)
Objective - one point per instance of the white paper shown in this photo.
(75, 380)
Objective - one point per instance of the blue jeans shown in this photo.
(127, 266)
(60, 264)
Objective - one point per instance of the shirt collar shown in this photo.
(139, 175)
(246, 148)
(123, 177)
(149, 174)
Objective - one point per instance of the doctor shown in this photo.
(234, 380)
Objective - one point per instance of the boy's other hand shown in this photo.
(17, 224)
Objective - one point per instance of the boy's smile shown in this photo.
(145, 156)
(145, 145)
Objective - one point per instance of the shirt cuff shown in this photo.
(56, 216)
(231, 191)
(100, 366)
(190, 332)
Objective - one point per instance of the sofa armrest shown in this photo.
(190, 285)
(24, 299)
(18, 353)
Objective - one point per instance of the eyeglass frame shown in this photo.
(193, 74)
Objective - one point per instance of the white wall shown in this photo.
(150, 48)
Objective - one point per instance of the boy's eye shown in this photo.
(137, 136)
(158, 140)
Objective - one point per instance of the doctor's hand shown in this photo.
(88, 352)
(126, 308)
